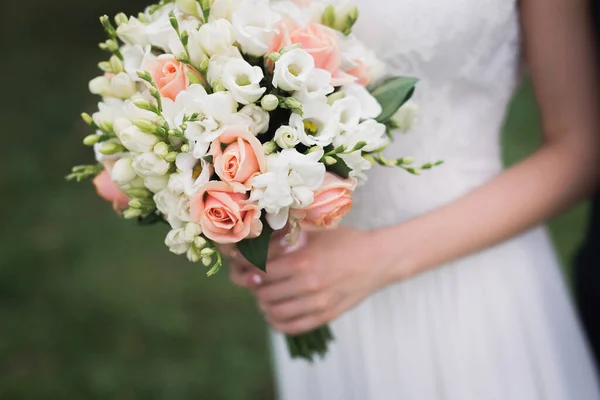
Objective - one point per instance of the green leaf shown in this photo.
(339, 168)
(256, 250)
(392, 94)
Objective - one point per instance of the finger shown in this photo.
(301, 325)
(286, 289)
(239, 274)
(295, 308)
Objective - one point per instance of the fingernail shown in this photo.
(257, 279)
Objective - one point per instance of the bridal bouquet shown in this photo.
(232, 119)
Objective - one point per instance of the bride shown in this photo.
(441, 286)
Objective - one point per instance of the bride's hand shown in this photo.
(310, 286)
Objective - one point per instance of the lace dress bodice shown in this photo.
(465, 53)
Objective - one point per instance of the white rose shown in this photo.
(216, 36)
(156, 183)
(122, 86)
(369, 106)
(286, 137)
(347, 112)
(317, 126)
(260, 118)
(149, 164)
(133, 32)
(243, 81)
(137, 141)
(255, 24)
(100, 86)
(177, 241)
(123, 172)
(217, 63)
(293, 70)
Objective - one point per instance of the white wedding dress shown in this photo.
(498, 325)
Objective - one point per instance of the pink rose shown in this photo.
(238, 157)
(109, 191)
(361, 73)
(224, 215)
(170, 76)
(332, 202)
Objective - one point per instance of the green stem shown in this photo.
(310, 344)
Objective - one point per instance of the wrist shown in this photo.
(398, 257)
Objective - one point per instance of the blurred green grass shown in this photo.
(95, 308)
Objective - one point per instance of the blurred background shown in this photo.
(92, 307)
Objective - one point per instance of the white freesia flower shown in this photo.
(293, 70)
(100, 86)
(177, 241)
(122, 86)
(149, 164)
(173, 203)
(370, 132)
(128, 113)
(255, 24)
(133, 32)
(216, 37)
(369, 106)
(243, 81)
(317, 126)
(259, 118)
(224, 9)
(133, 59)
(197, 54)
(347, 112)
(358, 164)
(217, 63)
(159, 30)
(137, 141)
(123, 172)
(109, 110)
(156, 183)
(290, 182)
(286, 137)
(406, 115)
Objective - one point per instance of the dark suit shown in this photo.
(587, 265)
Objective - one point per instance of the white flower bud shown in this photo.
(91, 140)
(176, 242)
(269, 147)
(207, 252)
(122, 172)
(131, 213)
(260, 118)
(149, 164)
(161, 149)
(207, 261)
(193, 255)
(286, 137)
(156, 183)
(269, 102)
(199, 242)
(191, 7)
(137, 141)
(346, 15)
(120, 19)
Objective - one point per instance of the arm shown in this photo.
(560, 53)
(311, 286)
